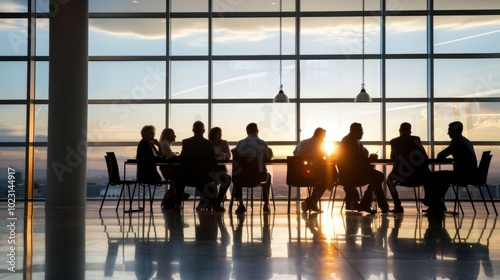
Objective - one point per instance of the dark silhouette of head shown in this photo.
(455, 129)
(356, 129)
(198, 128)
(405, 128)
(252, 128)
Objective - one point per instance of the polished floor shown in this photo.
(83, 244)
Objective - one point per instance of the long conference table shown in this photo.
(433, 162)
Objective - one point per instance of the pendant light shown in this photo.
(281, 96)
(363, 95)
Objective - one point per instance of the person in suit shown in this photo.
(199, 167)
(313, 147)
(148, 156)
(465, 169)
(410, 164)
(355, 170)
(254, 147)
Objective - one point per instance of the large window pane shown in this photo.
(41, 122)
(189, 36)
(276, 122)
(156, 6)
(221, 7)
(396, 5)
(15, 6)
(190, 5)
(123, 122)
(480, 120)
(136, 80)
(182, 117)
(252, 36)
(41, 80)
(406, 35)
(13, 80)
(185, 85)
(40, 173)
(252, 79)
(336, 118)
(466, 4)
(339, 35)
(466, 34)
(406, 78)
(467, 78)
(13, 36)
(413, 113)
(13, 158)
(338, 5)
(338, 78)
(127, 36)
(42, 36)
(12, 123)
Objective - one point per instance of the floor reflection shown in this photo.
(200, 245)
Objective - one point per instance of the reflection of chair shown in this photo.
(246, 174)
(114, 178)
(470, 247)
(301, 172)
(480, 181)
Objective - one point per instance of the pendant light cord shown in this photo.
(281, 44)
(363, 49)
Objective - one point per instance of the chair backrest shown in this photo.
(246, 172)
(484, 166)
(301, 171)
(112, 164)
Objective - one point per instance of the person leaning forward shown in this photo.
(313, 147)
(355, 170)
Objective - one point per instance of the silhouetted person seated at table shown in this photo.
(465, 169)
(199, 169)
(148, 156)
(169, 172)
(254, 147)
(222, 152)
(313, 147)
(410, 164)
(355, 170)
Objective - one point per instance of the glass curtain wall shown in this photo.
(170, 63)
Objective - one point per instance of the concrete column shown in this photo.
(67, 136)
(67, 141)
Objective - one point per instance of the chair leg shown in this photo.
(119, 198)
(457, 201)
(416, 193)
(151, 198)
(104, 197)
(491, 199)
(289, 199)
(272, 195)
(484, 201)
(470, 198)
(333, 194)
(232, 199)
